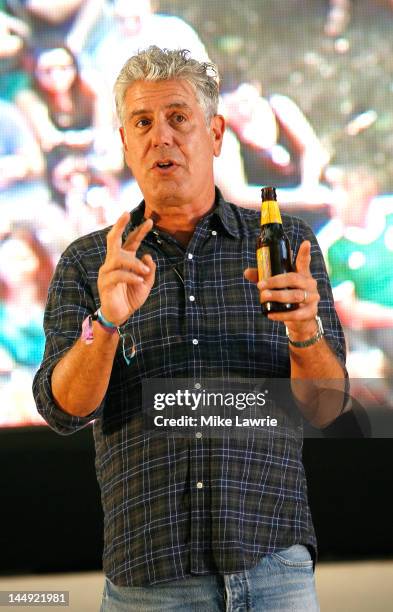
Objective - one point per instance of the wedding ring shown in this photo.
(305, 297)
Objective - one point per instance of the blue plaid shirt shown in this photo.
(175, 507)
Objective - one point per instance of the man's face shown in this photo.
(168, 145)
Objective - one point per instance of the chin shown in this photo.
(170, 193)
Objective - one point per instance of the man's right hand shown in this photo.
(124, 281)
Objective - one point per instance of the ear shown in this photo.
(123, 138)
(217, 128)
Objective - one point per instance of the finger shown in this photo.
(126, 261)
(121, 276)
(289, 296)
(134, 264)
(299, 315)
(292, 280)
(251, 274)
(113, 239)
(303, 258)
(134, 239)
(148, 261)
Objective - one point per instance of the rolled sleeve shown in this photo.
(334, 334)
(333, 331)
(70, 301)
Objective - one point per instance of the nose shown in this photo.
(161, 133)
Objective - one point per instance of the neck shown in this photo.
(179, 220)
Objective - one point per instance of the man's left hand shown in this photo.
(294, 287)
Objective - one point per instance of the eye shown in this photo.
(142, 123)
(178, 118)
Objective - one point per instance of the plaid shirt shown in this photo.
(174, 507)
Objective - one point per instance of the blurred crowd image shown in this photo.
(62, 172)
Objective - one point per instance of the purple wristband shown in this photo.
(87, 330)
(87, 326)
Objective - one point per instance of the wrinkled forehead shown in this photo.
(161, 93)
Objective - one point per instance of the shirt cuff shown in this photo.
(58, 420)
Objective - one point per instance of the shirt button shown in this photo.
(195, 341)
(214, 233)
(192, 298)
(198, 434)
(190, 255)
(199, 485)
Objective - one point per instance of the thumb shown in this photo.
(303, 258)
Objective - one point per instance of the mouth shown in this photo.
(164, 164)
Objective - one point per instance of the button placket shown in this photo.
(198, 458)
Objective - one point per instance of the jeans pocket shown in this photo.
(294, 556)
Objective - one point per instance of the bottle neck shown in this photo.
(270, 212)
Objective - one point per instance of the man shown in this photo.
(189, 522)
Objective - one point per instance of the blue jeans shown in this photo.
(280, 582)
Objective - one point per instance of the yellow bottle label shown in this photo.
(263, 263)
(270, 212)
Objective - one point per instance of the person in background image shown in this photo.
(171, 292)
(358, 248)
(69, 116)
(26, 268)
(285, 148)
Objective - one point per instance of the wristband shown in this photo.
(313, 340)
(87, 335)
(109, 327)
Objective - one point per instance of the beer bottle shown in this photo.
(273, 248)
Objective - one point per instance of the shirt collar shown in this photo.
(225, 213)
(222, 215)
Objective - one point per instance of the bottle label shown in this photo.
(263, 263)
(270, 212)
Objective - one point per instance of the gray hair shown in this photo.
(155, 64)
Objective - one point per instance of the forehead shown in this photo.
(54, 57)
(150, 95)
